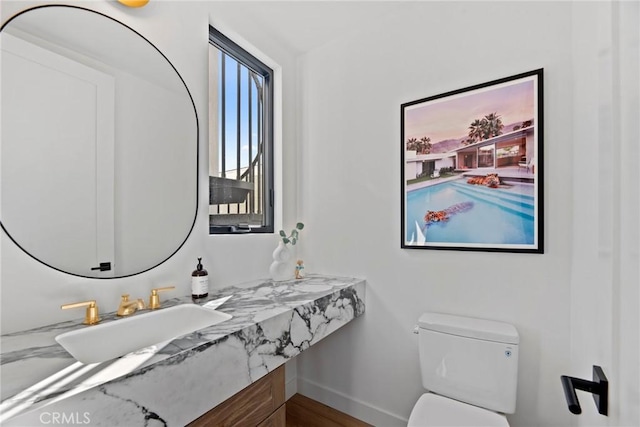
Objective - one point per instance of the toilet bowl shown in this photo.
(433, 410)
(469, 368)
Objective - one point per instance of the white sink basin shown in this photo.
(107, 341)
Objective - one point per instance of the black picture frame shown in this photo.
(472, 168)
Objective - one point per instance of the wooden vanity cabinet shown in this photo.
(277, 419)
(260, 404)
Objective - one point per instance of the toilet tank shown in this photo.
(471, 360)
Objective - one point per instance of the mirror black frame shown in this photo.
(197, 169)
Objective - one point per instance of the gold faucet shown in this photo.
(154, 299)
(127, 307)
(91, 317)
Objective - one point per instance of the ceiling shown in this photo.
(304, 25)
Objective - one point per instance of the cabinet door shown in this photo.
(250, 406)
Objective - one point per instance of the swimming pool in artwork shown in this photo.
(479, 214)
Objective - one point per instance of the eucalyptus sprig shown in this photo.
(293, 237)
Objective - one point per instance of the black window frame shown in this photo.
(229, 47)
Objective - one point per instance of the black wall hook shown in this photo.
(599, 387)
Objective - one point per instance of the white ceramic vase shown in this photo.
(281, 269)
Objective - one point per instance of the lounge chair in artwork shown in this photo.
(528, 166)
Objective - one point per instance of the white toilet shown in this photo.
(470, 369)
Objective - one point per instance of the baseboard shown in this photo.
(290, 388)
(349, 405)
(290, 378)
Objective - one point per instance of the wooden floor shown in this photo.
(305, 412)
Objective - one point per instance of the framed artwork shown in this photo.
(472, 168)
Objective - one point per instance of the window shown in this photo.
(486, 156)
(508, 151)
(240, 139)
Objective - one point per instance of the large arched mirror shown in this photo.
(98, 144)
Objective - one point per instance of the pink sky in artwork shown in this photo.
(450, 117)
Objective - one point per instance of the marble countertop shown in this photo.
(172, 383)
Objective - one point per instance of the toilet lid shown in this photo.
(434, 410)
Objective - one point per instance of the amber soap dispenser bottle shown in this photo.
(199, 282)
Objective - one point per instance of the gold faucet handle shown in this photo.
(91, 317)
(154, 299)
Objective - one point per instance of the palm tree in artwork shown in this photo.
(476, 132)
(492, 125)
(412, 144)
(425, 145)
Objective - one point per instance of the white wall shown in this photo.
(31, 293)
(351, 92)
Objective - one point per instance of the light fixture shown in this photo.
(134, 3)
